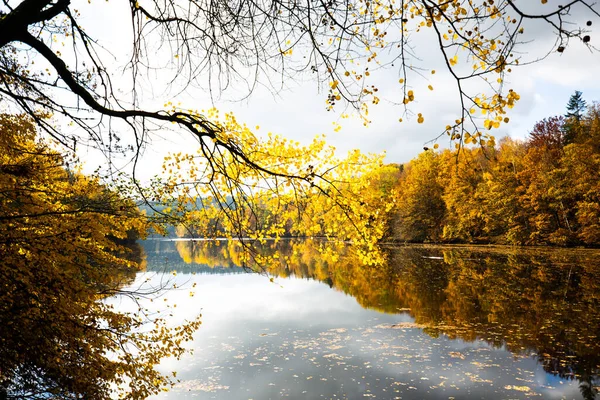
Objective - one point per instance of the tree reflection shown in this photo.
(546, 301)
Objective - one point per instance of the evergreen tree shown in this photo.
(576, 106)
(575, 109)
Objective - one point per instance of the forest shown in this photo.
(544, 190)
(540, 191)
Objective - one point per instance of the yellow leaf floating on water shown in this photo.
(518, 388)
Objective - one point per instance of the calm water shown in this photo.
(436, 323)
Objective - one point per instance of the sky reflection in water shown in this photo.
(298, 338)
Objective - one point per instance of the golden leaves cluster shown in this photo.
(68, 244)
(282, 188)
(474, 33)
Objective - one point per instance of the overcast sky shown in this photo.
(299, 112)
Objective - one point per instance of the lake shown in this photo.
(434, 323)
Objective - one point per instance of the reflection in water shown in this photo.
(545, 302)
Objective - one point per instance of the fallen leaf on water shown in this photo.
(518, 388)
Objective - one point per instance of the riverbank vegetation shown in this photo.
(544, 190)
(68, 243)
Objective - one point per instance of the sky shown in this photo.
(299, 111)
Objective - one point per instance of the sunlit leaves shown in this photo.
(281, 188)
(481, 34)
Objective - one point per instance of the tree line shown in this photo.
(544, 190)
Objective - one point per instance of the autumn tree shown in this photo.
(62, 240)
(592, 127)
(550, 134)
(461, 177)
(249, 43)
(506, 216)
(420, 204)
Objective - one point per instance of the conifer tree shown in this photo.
(575, 109)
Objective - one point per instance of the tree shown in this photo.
(62, 240)
(506, 216)
(549, 134)
(575, 109)
(592, 127)
(340, 42)
(420, 204)
(460, 178)
(576, 106)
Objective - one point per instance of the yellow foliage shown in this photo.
(282, 188)
(67, 243)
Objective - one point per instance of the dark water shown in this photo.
(435, 323)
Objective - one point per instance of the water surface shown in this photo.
(435, 323)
